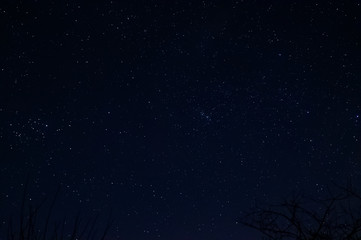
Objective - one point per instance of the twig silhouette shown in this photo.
(29, 229)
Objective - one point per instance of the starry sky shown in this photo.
(177, 116)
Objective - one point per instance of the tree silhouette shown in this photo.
(336, 217)
(30, 226)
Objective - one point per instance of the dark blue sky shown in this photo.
(177, 115)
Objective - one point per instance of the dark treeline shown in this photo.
(38, 223)
(335, 217)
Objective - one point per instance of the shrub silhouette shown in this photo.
(336, 217)
(29, 227)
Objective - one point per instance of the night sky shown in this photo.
(177, 116)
